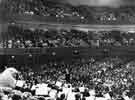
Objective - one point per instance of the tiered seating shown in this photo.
(96, 78)
(17, 37)
(65, 13)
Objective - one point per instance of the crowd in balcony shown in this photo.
(45, 9)
(92, 79)
(43, 38)
(65, 12)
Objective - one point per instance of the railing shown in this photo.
(69, 51)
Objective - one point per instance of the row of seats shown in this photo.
(66, 12)
(18, 37)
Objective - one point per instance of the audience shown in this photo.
(68, 13)
(18, 37)
(110, 78)
(92, 79)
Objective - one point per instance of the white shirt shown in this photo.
(53, 93)
(71, 96)
(107, 96)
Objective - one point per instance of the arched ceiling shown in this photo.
(110, 3)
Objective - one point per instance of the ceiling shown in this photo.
(100, 3)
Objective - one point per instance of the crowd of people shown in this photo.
(66, 12)
(46, 9)
(84, 79)
(18, 37)
(106, 79)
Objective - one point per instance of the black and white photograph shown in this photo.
(67, 49)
